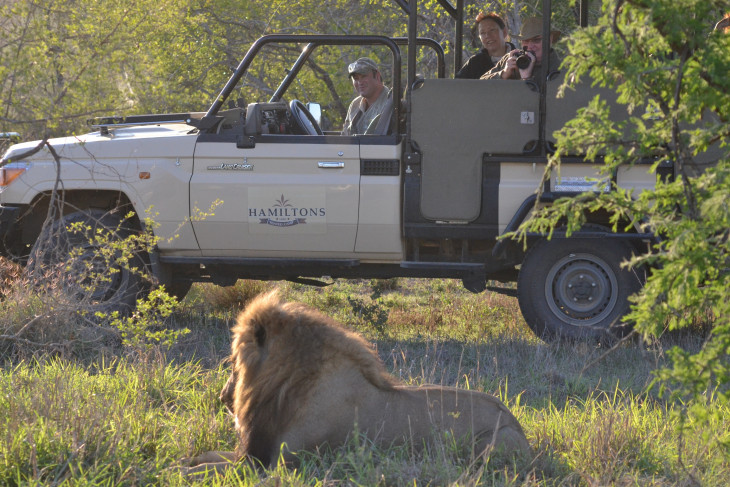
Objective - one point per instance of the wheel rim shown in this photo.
(581, 289)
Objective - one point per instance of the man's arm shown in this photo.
(496, 71)
(380, 125)
(347, 127)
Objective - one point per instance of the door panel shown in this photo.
(288, 193)
(455, 122)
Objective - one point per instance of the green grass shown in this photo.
(120, 417)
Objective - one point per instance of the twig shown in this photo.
(26, 154)
(27, 325)
(607, 352)
(15, 338)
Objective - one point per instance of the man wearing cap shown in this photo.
(363, 116)
(531, 39)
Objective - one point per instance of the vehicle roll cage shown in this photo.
(408, 6)
(456, 12)
(311, 43)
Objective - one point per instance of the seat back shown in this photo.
(455, 122)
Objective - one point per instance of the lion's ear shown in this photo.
(260, 335)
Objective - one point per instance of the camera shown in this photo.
(523, 60)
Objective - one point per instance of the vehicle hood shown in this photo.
(165, 139)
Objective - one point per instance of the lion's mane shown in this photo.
(279, 351)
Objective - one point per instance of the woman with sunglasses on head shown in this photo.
(492, 32)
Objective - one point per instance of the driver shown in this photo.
(363, 116)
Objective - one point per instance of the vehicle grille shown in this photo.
(380, 167)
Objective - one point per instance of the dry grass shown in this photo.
(229, 298)
(41, 320)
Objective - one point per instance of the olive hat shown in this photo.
(532, 28)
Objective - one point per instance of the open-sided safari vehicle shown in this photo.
(429, 196)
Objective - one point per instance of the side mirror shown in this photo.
(316, 110)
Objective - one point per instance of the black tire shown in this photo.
(179, 289)
(575, 288)
(81, 262)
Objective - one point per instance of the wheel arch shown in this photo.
(31, 221)
(510, 250)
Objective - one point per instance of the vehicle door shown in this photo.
(283, 194)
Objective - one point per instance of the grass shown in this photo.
(122, 417)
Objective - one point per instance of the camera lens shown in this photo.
(523, 61)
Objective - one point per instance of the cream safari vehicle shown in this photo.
(281, 198)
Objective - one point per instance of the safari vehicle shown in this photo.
(7, 138)
(427, 198)
(12, 136)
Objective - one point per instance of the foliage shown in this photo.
(65, 61)
(56, 307)
(372, 314)
(62, 61)
(230, 298)
(671, 74)
(144, 328)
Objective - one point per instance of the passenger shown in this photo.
(364, 114)
(492, 30)
(531, 39)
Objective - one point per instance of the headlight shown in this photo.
(10, 172)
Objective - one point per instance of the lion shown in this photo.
(301, 381)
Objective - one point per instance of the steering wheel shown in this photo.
(304, 121)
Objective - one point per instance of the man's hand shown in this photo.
(511, 64)
(527, 72)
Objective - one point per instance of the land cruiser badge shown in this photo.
(235, 166)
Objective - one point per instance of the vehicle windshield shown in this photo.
(323, 79)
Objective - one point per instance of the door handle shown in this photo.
(330, 165)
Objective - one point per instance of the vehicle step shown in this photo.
(260, 262)
(465, 266)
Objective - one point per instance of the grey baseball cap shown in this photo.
(364, 65)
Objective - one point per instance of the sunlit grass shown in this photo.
(130, 419)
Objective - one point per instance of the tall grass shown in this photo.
(120, 419)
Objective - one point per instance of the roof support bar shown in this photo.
(583, 9)
(459, 35)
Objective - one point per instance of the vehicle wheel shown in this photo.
(179, 289)
(303, 119)
(575, 288)
(91, 272)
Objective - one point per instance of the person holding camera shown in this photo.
(525, 63)
(492, 31)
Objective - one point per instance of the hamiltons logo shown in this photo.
(283, 214)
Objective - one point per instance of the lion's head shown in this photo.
(279, 351)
